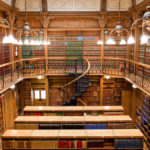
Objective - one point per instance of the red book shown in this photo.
(79, 144)
(61, 144)
(71, 144)
(67, 144)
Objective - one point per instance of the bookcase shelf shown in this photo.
(79, 122)
(4, 54)
(64, 139)
(142, 116)
(78, 110)
(112, 91)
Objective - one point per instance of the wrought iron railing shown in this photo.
(134, 71)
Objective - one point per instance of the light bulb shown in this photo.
(32, 42)
(12, 86)
(6, 40)
(99, 42)
(40, 42)
(107, 77)
(26, 42)
(48, 43)
(37, 42)
(15, 42)
(39, 77)
(11, 38)
(110, 42)
(144, 39)
(134, 86)
(123, 42)
(20, 42)
(131, 40)
(45, 43)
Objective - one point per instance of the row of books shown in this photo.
(129, 143)
(72, 144)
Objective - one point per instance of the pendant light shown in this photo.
(10, 38)
(119, 30)
(145, 26)
(26, 31)
(99, 42)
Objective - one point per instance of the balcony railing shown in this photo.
(27, 68)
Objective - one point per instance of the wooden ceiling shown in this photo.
(65, 5)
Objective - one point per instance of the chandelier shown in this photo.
(119, 30)
(145, 25)
(28, 32)
(8, 39)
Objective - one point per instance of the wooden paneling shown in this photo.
(127, 102)
(9, 109)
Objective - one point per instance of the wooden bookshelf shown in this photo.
(1, 118)
(4, 54)
(74, 122)
(112, 91)
(78, 110)
(142, 116)
(60, 139)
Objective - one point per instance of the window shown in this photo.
(39, 94)
(43, 94)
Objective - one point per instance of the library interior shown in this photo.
(74, 74)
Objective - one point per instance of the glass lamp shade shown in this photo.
(45, 43)
(110, 42)
(144, 39)
(15, 42)
(99, 42)
(123, 42)
(26, 42)
(48, 43)
(40, 42)
(37, 42)
(20, 42)
(32, 42)
(6, 40)
(11, 38)
(131, 40)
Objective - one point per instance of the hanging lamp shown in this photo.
(119, 31)
(145, 26)
(8, 39)
(27, 31)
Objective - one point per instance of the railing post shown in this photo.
(135, 73)
(11, 75)
(18, 71)
(124, 67)
(45, 68)
(143, 77)
(129, 69)
(3, 78)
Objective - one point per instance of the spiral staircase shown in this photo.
(82, 83)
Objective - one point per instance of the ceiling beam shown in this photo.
(44, 6)
(13, 3)
(103, 5)
(133, 3)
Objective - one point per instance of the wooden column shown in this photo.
(102, 23)
(101, 91)
(11, 19)
(137, 37)
(134, 93)
(45, 23)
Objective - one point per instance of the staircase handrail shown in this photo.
(87, 70)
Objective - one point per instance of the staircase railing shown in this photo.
(65, 87)
(87, 70)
